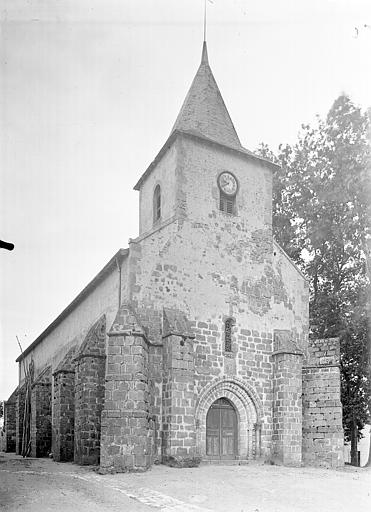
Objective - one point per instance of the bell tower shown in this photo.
(202, 171)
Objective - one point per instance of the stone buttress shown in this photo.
(323, 438)
(89, 394)
(41, 414)
(64, 408)
(287, 400)
(127, 425)
(178, 395)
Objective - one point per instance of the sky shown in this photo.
(90, 90)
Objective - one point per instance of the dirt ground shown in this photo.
(34, 485)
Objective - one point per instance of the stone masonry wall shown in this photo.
(213, 266)
(10, 425)
(209, 264)
(64, 409)
(126, 436)
(287, 410)
(63, 416)
(255, 366)
(127, 427)
(89, 394)
(155, 397)
(41, 412)
(250, 360)
(178, 392)
(287, 406)
(323, 438)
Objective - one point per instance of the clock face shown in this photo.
(227, 183)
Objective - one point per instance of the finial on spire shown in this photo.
(211, 1)
(204, 58)
(204, 21)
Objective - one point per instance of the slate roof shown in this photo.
(204, 112)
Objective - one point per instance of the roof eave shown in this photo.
(176, 132)
(296, 267)
(159, 155)
(119, 256)
(241, 151)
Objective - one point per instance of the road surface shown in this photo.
(38, 485)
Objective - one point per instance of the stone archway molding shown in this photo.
(248, 407)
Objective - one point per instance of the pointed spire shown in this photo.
(204, 58)
(203, 112)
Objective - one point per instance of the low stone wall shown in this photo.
(323, 437)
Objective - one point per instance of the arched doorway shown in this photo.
(221, 430)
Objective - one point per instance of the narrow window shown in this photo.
(157, 204)
(228, 325)
(227, 203)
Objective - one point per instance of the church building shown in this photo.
(191, 345)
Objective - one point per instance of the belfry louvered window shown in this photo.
(227, 203)
(157, 204)
(228, 326)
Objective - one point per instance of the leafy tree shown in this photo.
(321, 218)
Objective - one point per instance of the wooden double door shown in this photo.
(221, 430)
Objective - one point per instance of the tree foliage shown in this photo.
(321, 218)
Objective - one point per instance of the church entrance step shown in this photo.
(224, 462)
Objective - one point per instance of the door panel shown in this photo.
(212, 446)
(228, 430)
(227, 447)
(212, 433)
(221, 430)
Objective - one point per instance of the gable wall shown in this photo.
(291, 299)
(210, 264)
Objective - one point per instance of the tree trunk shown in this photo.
(353, 443)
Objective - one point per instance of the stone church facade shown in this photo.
(192, 344)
